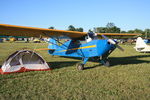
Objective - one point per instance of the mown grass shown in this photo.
(128, 78)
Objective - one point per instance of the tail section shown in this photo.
(140, 43)
(52, 44)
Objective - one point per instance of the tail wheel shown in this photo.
(80, 66)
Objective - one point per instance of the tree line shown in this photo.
(71, 28)
(109, 28)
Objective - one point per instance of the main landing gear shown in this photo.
(105, 62)
(80, 66)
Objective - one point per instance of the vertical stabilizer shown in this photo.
(140, 43)
(52, 44)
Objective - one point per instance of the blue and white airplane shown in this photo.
(81, 44)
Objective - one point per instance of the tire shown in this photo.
(80, 66)
(107, 64)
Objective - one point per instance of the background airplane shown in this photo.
(81, 44)
(141, 46)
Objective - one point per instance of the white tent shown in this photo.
(24, 60)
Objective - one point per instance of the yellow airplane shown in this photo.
(91, 48)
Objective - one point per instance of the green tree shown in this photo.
(71, 28)
(123, 32)
(100, 30)
(111, 28)
(90, 30)
(135, 31)
(138, 31)
(130, 31)
(110, 25)
(79, 29)
(147, 33)
(51, 27)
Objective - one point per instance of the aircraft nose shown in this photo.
(111, 41)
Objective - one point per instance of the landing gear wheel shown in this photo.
(80, 66)
(107, 64)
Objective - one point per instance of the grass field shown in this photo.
(128, 78)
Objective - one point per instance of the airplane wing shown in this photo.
(120, 35)
(14, 30)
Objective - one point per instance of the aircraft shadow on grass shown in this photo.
(113, 62)
(61, 64)
(128, 60)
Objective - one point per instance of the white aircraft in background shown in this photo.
(141, 46)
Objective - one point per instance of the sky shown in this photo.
(125, 14)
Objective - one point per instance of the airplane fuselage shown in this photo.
(76, 49)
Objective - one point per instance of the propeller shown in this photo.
(111, 41)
